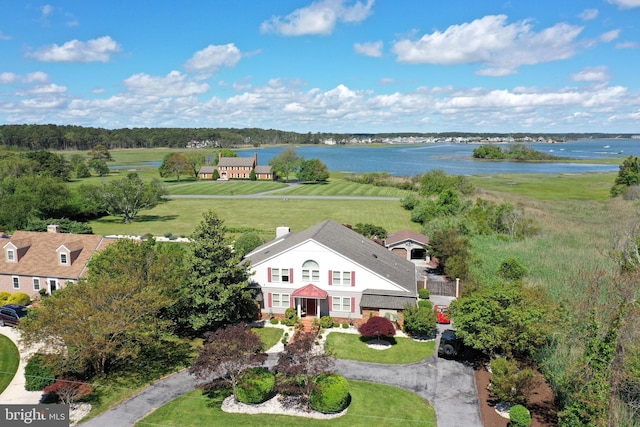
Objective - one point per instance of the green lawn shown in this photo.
(404, 350)
(371, 405)
(339, 187)
(231, 188)
(269, 336)
(9, 360)
(180, 216)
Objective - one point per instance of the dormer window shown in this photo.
(63, 259)
(11, 255)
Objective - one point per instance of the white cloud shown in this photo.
(213, 57)
(627, 45)
(12, 78)
(386, 81)
(3, 36)
(319, 18)
(589, 14)
(373, 49)
(499, 47)
(625, 4)
(174, 84)
(609, 36)
(46, 10)
(96, 50)
(591, 74)
(50, 89)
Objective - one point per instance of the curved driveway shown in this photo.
(448, 385)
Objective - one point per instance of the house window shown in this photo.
(16, 282)
(341, 278)
(341, 304)
(63, 259)
(310, 271)
(280, 300)
(280, 275)
(11, 255)
(36, 284)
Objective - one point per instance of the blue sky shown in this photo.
(324, 66)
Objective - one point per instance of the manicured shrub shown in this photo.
(274, 321)
(520, 416)
(377, 327)
(326, 322)
(37, 375)
(19, 298)
(290, 316)
(425, 304)
(419, 321)
(424, 293)
(4, 296)
(345, 326)
(330, 394)
(256, 385)
(508, 382)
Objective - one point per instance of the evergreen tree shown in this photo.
(216, 293)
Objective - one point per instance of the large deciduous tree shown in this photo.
(127, 196)
(453, 251)
(286, 163)
(100, 152)
(312, 170)
(227, 354)
(111, 316)
(628, 175)
(216, 293)
(174, 164)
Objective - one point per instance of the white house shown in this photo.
(330, 269)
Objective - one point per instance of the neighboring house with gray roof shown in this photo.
(237, 168)
(408, 244)
(330, 269)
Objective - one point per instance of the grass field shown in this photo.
(9, 360)
(269, 336)
(371, 405)
(403, 350)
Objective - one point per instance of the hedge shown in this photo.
(37, 375)
(331, 393)
(255, 386)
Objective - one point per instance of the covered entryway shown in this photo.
(307, 300)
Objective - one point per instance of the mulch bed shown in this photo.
(540, 404)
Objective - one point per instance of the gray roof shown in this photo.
(206, 169)
(236, 161)
(351, 245)
(263, 169)
(377, 298)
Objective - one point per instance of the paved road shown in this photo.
(448, 385)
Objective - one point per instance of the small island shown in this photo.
(518, 153)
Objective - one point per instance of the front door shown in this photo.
(311, 307)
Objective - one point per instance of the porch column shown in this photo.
(299, 307)
(318, 308)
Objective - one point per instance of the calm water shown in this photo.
(456, 159)
(410, 160)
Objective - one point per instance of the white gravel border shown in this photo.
(276, 405)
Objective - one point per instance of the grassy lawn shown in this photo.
(269, 336)
(9, 360)
(218, 188)
(338, 187)
(587, 186)
(180, 216)
(405, 350)
(371, 405)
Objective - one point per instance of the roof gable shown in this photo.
(406, 235)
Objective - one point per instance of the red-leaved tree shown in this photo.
(227, 353)
(69, 390)
(300, 362)
(377, 327)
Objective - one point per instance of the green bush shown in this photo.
(330, 394)
(4, 296)
(345, 326)
(419, 320)
(326, 322)
(19, 298)
(37, 375)
(512, 269)
(273, 321)
(336, 324)
(256, 385)
(520, 416)
(290, 316)
(425, 304)
(424, 293)
(508, 382)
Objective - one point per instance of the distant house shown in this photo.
(331, 270)
(34, 261)
(409, 244)
(237, 168)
